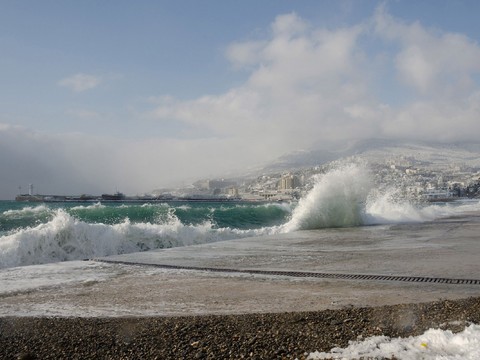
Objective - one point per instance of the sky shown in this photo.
(99, 96)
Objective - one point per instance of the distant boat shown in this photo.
(30, 198)
(113, 197)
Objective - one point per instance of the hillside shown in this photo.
(427, 154)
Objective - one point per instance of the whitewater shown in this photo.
(344, 197)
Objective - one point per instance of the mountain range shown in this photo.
(429, 154)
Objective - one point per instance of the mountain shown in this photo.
(430, 154)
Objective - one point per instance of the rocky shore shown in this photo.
(252, 336)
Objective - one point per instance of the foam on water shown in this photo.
(97, 205)
(67, 238)
(28, 278)
(433, 344)
(29, 210)
(336, 200)
(344, 197)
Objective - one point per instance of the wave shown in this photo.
(44, 234)
(97, 205)
(29, 210)
(344, 197)
(67, 238)
(336, 200)
(28, 216)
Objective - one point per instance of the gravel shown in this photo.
(249, 336)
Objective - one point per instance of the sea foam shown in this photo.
(343, 197)
(347, 196)
(336, 200)
(65, 238)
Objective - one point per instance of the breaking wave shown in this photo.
(94, 231)
(336, 200)
(344, 197)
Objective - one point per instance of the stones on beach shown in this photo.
(250, 336)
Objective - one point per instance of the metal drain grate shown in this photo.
(305, 274)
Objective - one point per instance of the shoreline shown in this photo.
(257, 336)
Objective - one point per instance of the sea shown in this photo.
(347, 196)
(40, 233)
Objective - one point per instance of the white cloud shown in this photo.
(289, 25)
(307, 84)
(244, 54)
(299, 82)
(440, 121)
(80, 82)
(434, 63)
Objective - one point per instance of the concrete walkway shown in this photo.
(449, 248)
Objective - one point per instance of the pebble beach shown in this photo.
(292, 335)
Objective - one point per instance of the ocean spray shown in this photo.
(336, 200)
(345, 196)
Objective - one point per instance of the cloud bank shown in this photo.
(382, 78)
(304, 85)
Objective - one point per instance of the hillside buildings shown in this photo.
(412, 179)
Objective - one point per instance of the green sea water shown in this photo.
(18, 215)
(38, 233)
(34, 233)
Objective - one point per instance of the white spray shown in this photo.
(346, 196)
(337, 200)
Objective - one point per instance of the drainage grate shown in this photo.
(305, 274)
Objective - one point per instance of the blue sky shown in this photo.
(93, 93)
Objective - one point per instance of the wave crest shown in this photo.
(65, 237)
(336, 200)
(343, 197)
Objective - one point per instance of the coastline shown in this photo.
(171, 304)
(257, 336)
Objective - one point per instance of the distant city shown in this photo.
(411, 179)
(417, 172)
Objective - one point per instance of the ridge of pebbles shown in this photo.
(249, 336)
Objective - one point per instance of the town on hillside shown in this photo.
(413, 179)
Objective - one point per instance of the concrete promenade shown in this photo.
(138, 285)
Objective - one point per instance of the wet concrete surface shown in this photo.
(448, 248)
